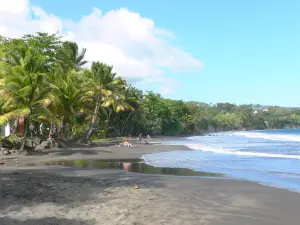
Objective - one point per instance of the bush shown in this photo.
(78, 131)
(11, 142)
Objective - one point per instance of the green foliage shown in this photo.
(78, 130)
(11, 141)
(25, 88)
(70, 57)
(42, 80)
(44, 44)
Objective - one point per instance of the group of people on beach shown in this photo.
(127, 142)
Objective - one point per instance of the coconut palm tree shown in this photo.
(26, 88)
(117, 118)
(70, 57)
(75, 94)
(132, 97)
(108, 91)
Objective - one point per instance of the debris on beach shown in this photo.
(135, 186)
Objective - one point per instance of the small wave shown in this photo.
(247, 134)
(237, 152)
(274, 137)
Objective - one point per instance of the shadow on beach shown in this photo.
(39, 186)
(45, 195)
(62, 189)
(46, 220)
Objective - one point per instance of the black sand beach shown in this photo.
(60, 195)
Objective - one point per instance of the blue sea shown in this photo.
(270, 157)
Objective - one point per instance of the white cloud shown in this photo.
(13, 6)
(138, 49)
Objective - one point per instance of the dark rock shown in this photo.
(17, 143)
(11, 151)
(30, 144)
(6, 143)
(61, 144)
(36, 140)
(6, 152)
(44, 145)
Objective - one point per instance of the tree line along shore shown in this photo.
(47, 87)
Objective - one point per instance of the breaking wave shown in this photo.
(221, 150)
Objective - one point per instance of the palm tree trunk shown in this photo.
(26, 123)
(125, 124)
(94, 118)
(61, 128)
(108, 124)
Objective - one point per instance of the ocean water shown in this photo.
(269, 157)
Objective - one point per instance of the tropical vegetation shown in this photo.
(47, 81)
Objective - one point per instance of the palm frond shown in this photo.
(46, 114)
(13, 114)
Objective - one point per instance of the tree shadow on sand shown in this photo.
(70, 151)
(44, 221)
(63, 186)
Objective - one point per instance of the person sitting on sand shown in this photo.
(148, 136)
(128, 139)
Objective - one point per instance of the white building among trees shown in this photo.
(5, 130)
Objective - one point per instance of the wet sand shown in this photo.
(104, 151)
(59, 195)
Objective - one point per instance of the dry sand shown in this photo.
(57, 195)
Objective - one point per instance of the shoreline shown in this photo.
(63, 195)
(107, 151)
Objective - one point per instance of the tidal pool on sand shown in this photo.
(131, 165)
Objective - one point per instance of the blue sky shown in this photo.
(250, 49)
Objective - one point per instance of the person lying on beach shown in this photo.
(125, 144)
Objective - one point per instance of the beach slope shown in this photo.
(59, 195)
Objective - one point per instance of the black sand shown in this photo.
(59, 195)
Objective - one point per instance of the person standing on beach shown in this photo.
(140, 137)
(31, 129)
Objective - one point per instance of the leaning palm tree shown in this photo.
(25, 88)
(70, 57)
(108, 89)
